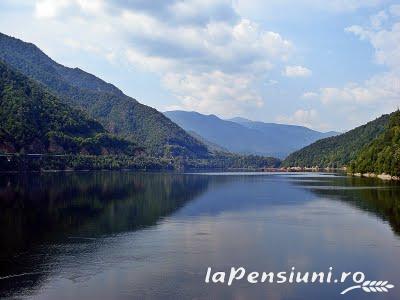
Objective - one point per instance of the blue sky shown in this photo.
(328, 65)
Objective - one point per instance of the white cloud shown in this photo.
(386, 43)
(199, 47)
(214, 92)
(204, 53)
(395, 10)
(272, 82)
(383, 89)
(218, 45)
(301, 9)
(212, 68)
(200, 11)
(150, 63)
(308, 118)
(204, 41)
(91, 6)
(379, 19)
(297, 71)
(309, 95)
(381, 92)
(49, 8)
(357, 30)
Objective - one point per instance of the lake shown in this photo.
(126, 235)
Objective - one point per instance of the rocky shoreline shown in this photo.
(382, 176)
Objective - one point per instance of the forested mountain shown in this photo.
(32, 120)
(383, 154)
(244, 136)
(118, 113)
(337, 151)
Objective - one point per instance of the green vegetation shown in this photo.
(337, 151)
(60, 112)
(383, 154)
(118, 113)
(83, 162)
(34, 121)
(223, 161)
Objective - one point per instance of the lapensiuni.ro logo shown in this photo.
(358, 279)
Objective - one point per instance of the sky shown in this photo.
(327, 65)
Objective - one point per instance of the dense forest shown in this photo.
(337, 151)
(221, 161)
(32, 120)
(39, 132)
(383, 154)
(118, 113)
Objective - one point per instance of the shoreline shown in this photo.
(382, 176)
(260, 170)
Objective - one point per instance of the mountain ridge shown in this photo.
(245, 136)
(35, 121)
(118, 113)
(337, 151)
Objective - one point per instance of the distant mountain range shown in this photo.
(244, 136)
(118, 113)
(48, 109)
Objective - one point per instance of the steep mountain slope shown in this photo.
(337, 151)
(34, 121)
(383, 154)
(118, 113)
(245, 136)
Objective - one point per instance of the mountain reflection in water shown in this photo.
(125, 235)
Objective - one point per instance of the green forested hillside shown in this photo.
(118, 113)
(32, 120)
(337, 151)
(383, 154)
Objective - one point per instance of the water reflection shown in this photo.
(61, 208)
(379, 197)
(121, 235)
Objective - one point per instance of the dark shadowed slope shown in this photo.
(32, 120)
(120, 114)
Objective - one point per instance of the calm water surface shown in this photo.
(121, 235)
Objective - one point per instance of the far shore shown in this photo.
(343, 170)
(382, 176)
